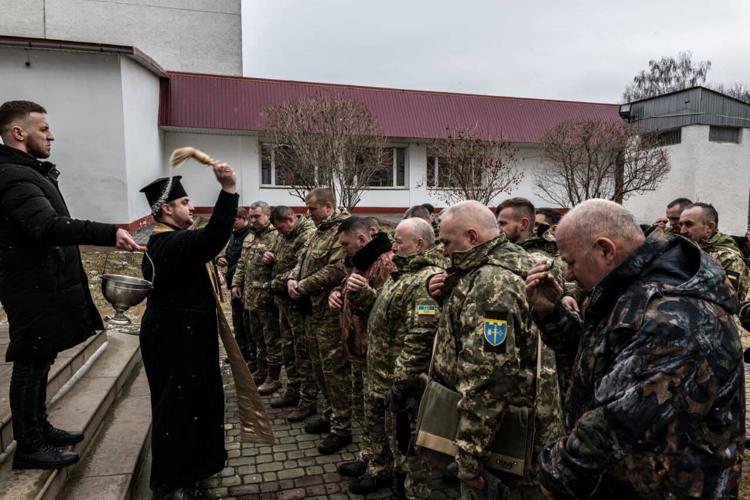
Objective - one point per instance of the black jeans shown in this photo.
(28, 402)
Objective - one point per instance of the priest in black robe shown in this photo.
(179, 337)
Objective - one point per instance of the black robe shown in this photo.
(180, 346)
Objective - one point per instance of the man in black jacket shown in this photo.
(43, 286)
(230, 257)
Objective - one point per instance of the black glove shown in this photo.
(395, 400)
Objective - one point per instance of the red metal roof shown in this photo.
(219, 102)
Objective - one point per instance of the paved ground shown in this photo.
(292, 468)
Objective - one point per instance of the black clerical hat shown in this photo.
(163, 190)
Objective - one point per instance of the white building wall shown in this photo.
(711, 172)
(143, 139)
(83, 97)
(242, 152)
(181, 35)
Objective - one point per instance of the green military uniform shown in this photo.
(486, 350)
(319, 269)
(401, 328)
(300, 379)
(252, 276)
(548, 408)
(725, 251)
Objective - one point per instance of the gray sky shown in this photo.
(574, 49)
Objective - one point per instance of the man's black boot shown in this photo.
(318, 425)
(59, 437)
(366, 483)
(43, 456)
(333, 443)
(289, 398)
(352, 469)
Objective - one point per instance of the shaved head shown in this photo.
(413, 236)
(466, 225)
(594, 238)
(473, 214)
(594, 218)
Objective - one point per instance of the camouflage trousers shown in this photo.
(380, 460)
(242, 332)
(418, 472)
(330, 367)
(264, 327)
(358, 406)
(295, 354)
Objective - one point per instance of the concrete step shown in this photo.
(113, 464)
(66, 365)
(82, 407)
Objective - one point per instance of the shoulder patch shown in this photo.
(733, 277)
(495, 331)
(426, 310)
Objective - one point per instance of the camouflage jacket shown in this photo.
(402, 323)
(550, 384)
(320, 267)
(486, 346)
(542, 248)
(252, 274)
(375, 263)
(656, 404)
(286, 254)
(725, 251)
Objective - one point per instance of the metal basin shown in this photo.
(123, 292)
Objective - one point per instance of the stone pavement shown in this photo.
(293, 467)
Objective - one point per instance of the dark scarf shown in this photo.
(363, 259)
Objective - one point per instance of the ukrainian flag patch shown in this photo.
(495, 331)
(426, 310)
(733, 277)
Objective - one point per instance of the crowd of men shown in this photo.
(522, 354)
(363, 314)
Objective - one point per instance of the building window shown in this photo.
(274, 172)
(273, 169)
(724, 134)
(669, 137)
(393, 171)
(436, 176)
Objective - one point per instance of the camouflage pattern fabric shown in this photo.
(486, 347)
(401, 327)
(294, 351)
(548, 401)
(725, 251)
(321, 268)
(656, 404)
(253, 276)
(296, 356)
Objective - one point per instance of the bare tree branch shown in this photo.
(326, 140)
(599, 159)
(471, 168)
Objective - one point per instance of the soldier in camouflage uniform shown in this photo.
(321, 268)
(486, 347)
(301, 390)
(401, 328)
(671, 221)
(656, 405)
(251, 283)
(514, 217)
(369, 257)
(699, 223)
